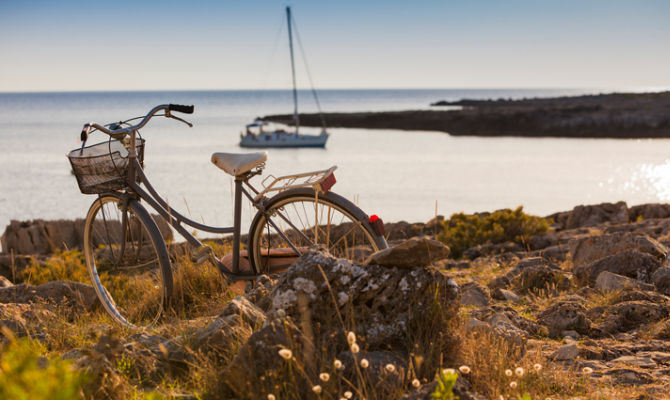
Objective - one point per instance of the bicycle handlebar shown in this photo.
(181, 108)
(120, 133)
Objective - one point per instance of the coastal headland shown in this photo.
(615, 115)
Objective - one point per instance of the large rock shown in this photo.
(628, 315)
(541, 277)
(592, 215)
(565, 316)
(474, 294)
(234, 325)
(631, 263)
(44, 237)
(661, 280)
(415, 252)
(57, 292)
(589, 249)
(319, 298)
(607, 281)
(649, 211)
(383, 301)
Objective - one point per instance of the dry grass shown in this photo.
(432, 346)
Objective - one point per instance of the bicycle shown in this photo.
(125, 246)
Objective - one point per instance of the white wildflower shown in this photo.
(365, 363)
(509, 372)
(354, 348)
(286, 354)
(348, 394)
(537, 367)
(416, 383)
(519, 372)
(512, 384)
(390, 368)
(464, 369)
(324, 376)
(316, 389)
(351, 337)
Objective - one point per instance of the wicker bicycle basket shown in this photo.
(103, 167)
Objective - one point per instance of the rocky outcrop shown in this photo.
(63, 293)
(44, 237)
(565, 316)
(320, 298)
(586, 250)
(617, 115)
(412, 253)
(631, 263)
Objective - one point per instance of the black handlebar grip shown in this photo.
(181, 108)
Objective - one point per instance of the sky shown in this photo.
(213, 45)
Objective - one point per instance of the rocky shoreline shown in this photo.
(617, 115)
(583, 308)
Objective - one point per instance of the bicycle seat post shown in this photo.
(237, 222)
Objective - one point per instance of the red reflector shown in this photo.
(377, 225)
(328, 183)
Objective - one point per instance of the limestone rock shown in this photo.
(586, 250)
(540, 277)
(592, 215)
(649, 211)
(473, 294)
(243, 308)
(222, 334)
(607, 281)
(4, 282)
(566, 352)
(58, 292)
(631, 263)
(661, 280)
(505, 295)
(628, 315)
(383, 300)
(415, 252)
(563, 316)
(637, 361)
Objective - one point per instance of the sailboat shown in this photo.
(256, 136)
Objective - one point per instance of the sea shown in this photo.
(399, 175)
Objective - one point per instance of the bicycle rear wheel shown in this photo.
(296, 220)
(127, 261)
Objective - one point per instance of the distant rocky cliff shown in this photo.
(618, 115)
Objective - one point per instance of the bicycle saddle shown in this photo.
(238, 163)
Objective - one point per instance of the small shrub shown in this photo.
(462, 231)
(26, 374)
(61, 266)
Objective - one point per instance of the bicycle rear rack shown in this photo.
(321, 181)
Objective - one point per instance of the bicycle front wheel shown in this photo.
(127, 260)
(297, 220)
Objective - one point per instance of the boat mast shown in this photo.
(296, 120)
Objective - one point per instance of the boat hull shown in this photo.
(283, 140)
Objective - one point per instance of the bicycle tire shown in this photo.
(127, 260)
(268, 251)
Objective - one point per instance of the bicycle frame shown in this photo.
(203, 252)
